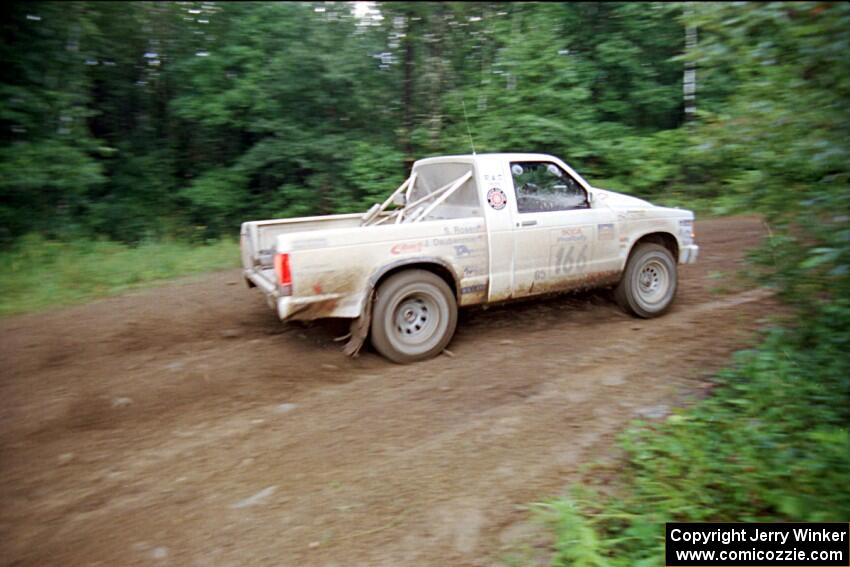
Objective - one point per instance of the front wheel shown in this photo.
(649, 282)
(415, 316)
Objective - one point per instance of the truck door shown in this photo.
(560, 240)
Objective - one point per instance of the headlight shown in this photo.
(686, 230)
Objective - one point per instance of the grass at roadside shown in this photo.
(40, 274)
(770, 444)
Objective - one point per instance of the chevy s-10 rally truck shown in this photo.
(460, 231)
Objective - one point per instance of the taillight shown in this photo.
(284, 274)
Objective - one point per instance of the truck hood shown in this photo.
(616, 200)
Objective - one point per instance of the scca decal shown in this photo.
(571, 235)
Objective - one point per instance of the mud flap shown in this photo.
(360, 328)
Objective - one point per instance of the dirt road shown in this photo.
(184, 425)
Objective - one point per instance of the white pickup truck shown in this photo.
(460, 231)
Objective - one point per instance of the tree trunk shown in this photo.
(407, 93)
(689, 81)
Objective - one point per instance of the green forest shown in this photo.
(138, 121)
(128, 125)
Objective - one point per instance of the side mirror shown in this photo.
(400, 199)
(590, 198)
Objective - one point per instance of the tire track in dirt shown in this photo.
(263, 445)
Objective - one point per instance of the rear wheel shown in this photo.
(649, 282)
(415, 316)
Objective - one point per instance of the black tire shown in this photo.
(649, 282)
(414, 318)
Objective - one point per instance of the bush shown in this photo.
(771, 445)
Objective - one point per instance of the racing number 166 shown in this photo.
(567, 260)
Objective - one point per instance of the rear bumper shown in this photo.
(266, 285)
(314, 307)
(305, 308)
(688, 254)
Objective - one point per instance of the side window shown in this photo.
(542, 186)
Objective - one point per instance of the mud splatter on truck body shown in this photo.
(494, 226)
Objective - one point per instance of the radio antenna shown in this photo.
(468, 131)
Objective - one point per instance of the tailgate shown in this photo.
(257, 238)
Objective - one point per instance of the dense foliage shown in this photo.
(138, 120)
(771, 444)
